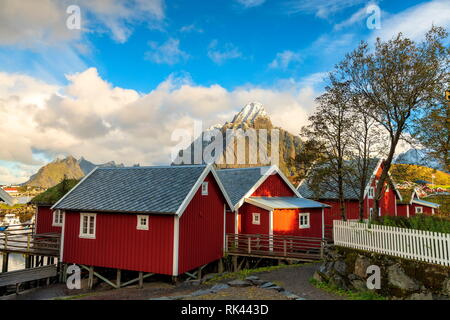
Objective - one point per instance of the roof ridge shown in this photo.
(245, 168)
(154, 167)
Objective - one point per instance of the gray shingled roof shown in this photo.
(287, 202)
(133, 190)
(328, 187)
(237, 182)
(5, 197)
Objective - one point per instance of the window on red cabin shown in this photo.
(204, 188)
(371, 193)
(142, 222)
(419, 210)
(256, 218)
(57, 218)
(87, 225)
(303, 220)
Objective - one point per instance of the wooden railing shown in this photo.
(21, 238)
(279, 246)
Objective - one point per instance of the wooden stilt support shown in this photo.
(5, 262)
(174, 280)
(141, 279)
(199, 273)
(91, 277)
(220, 266)
(235, 265)
(118, 278)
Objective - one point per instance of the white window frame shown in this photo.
(304, 225)
(419, 212)
(387, 187)
(256, 221)
(371, 193)
(57, 219)
(370, 212)
(205, 188)
(88, 235)
(141, 226)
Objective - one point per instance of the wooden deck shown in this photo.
(25, 275)
(22, 239)
(275, 247)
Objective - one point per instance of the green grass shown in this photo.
(443, 200)
(53, 194)
(246, 272)
(418, 222)
(16, 206)
(78, 296)
(351, 295)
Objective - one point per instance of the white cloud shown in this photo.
(226, 52)
(191, 28)
(321, 8)
(168, 52)
(31, 23)
(250, 3)
(284, 59)
(91, 118)
(415, 21)
(355, 17)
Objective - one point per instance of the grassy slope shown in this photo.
(407, 172)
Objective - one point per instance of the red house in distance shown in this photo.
(412, 205)
(47, 220)
(163, 220)
(325, 194)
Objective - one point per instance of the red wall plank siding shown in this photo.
(402, 210)
(202, 229)
(273, 186)
(426, 210)
(231, 216)
(286, 222)
(44, 221)
(247, 226)
(118, 244)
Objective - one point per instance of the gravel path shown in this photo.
(296, 280)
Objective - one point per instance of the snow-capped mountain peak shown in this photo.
(250, 113)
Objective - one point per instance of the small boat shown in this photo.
(3, 228)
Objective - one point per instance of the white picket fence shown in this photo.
(432, 247)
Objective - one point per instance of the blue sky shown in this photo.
(137, 70)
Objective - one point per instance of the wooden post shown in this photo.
(199, 273)
(141, 279)
(118, 278)
(235, 265)
(220, 266)
(226, 243)
(285, 247)
(28, 241)
(249, 241)
(91, 277)
(5, 262)
(6, 240)
(321, 249)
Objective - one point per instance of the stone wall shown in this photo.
(400, 279)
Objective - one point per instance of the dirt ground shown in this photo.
(293, 279)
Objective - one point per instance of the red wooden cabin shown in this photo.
(266, 203)
(411, 204)
(165, 220)
(329, 195)
(46, 219)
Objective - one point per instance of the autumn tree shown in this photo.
(329, 126)
(399, 79)
(433, 132)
